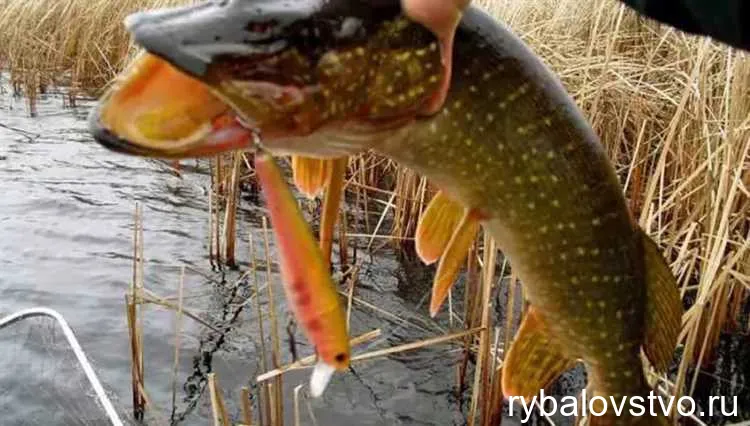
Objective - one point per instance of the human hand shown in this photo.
(441, 17)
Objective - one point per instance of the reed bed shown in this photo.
(79, 44)
(672, 110)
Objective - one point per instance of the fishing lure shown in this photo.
(309, 289)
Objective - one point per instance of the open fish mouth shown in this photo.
(322, 78)
(154, 110)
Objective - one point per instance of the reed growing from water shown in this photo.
(135, 319)
(672, 110)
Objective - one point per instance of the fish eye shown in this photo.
(340, 358)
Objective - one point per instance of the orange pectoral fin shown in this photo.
(331, 204)
(436, 226)
(451, 261)
(309, 288)
(311, 175)
(534, 360)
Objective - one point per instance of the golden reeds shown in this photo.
(247, 409)
(81, 44)
(229, 233)
(674, 114)
(218, 408)
(223, 202)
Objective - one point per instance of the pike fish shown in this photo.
(508, 148)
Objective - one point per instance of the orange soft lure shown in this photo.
(310, 291)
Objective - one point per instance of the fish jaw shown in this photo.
(153, 110)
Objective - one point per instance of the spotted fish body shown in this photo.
(509, 145)
(512, 146)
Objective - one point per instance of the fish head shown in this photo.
(323, 78)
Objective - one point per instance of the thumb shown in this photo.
(441, 17)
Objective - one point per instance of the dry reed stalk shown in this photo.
(277, 409)
(495, 403)
(344, 241)
(218, 409)
(395, 318)
(380, 353)
(136, 354)
(218, 174)
(177, 331)
(410, 189)
(212, 250)
(148, 296)
(362, 199)
(264, 397)
(309, 361)
(134, 318)
(230, 211)
(159, 419)
(509, 314)
(352, 281)
(247, 409)
(218, 199)
(331, 206)
(470, 290)
(481, 388)
(382, 219)
(296, 405)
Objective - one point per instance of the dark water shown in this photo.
(66, 225)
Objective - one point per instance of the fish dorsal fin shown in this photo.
(663, 307)
(311, 175)
(452, 259)
(534, 361)
(436, 227)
